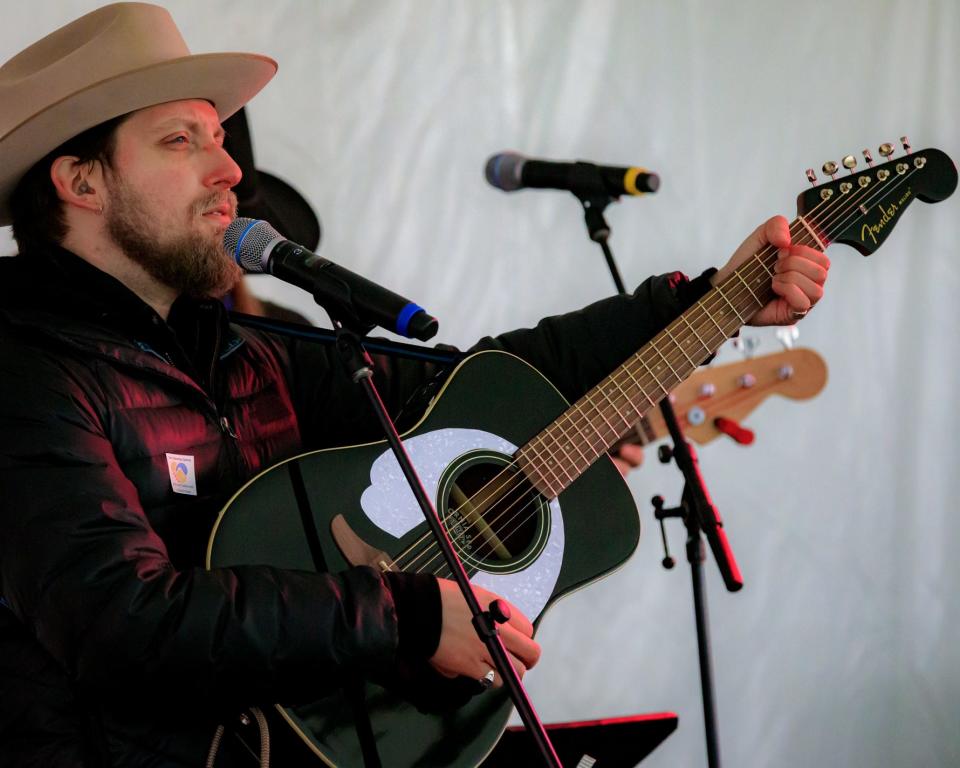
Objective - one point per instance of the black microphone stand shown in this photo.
(695, 509)
(350, 327)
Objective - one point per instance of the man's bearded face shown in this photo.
(189, 258)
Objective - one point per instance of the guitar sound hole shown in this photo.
(494, 517)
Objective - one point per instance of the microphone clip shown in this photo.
(594, 197)
(335, 296)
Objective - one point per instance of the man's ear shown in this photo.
(78, 184)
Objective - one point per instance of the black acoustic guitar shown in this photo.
(514, 474)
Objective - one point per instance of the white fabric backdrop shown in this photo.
(841, 649)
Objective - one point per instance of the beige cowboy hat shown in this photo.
(115, 60)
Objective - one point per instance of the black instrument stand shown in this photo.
(696, 509)
(358, 366)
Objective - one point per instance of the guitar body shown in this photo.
(492, 404)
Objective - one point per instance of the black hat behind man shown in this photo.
(261, 195)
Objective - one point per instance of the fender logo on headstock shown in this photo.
(886, 216)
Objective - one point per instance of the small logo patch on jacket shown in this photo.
(183, 478)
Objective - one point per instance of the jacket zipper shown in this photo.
(227, 429)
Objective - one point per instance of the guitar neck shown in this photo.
(564, 450)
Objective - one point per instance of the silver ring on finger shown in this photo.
(487, 680)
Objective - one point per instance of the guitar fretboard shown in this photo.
(563, 451)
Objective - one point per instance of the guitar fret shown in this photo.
(659, 383)
(682, 350)
(576, 443)
(643, 392)
(590, 423)
(556, 458)
(724, 297)
(706, 347)
(601, 414)
(561, 444)
(747, 286)
(586, 437)
(628, 420)
(663, 357)
(713, 320)
(546, 465)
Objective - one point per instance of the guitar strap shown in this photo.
(353, 686)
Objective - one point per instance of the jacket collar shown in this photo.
(61, 294)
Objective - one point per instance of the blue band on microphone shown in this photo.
(403, 319)
(236, 251)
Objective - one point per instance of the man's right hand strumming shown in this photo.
(461, 652)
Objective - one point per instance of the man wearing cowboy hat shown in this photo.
(131, 410)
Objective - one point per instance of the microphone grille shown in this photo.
(503, 171)
(248, 242)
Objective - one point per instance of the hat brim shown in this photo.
(227, 80)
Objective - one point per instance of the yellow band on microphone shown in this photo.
(630, 180)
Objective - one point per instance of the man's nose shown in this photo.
(224, 172)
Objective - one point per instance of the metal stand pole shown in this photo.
(696, 509)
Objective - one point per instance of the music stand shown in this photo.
(618, 742)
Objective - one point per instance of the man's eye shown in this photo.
(178, 140)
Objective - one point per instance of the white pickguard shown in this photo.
(390, 505)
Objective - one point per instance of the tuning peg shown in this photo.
(811, 177)
(707, 389)
(732, 429)
(830, 168)
(906, 144)
(868, 156)
(747, 380)
(785, 372)
(787, 335)
(886, 150)
(849, 162)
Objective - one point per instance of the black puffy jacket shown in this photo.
(101, 560)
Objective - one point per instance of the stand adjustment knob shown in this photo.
(500, 611)
(668, 562)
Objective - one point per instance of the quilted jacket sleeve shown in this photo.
(573, 350)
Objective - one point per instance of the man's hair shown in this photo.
(37, 210)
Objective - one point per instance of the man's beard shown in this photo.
(188, 262)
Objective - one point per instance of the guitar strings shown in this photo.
(883, 191)
(760, 254)
(520, 479)
(839, 229)
(517, 481)
(666, 360)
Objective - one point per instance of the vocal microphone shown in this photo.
(510, 171)
(258, 247)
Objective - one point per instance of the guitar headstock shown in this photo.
(862, 208)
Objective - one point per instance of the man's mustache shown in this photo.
(215, 199)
